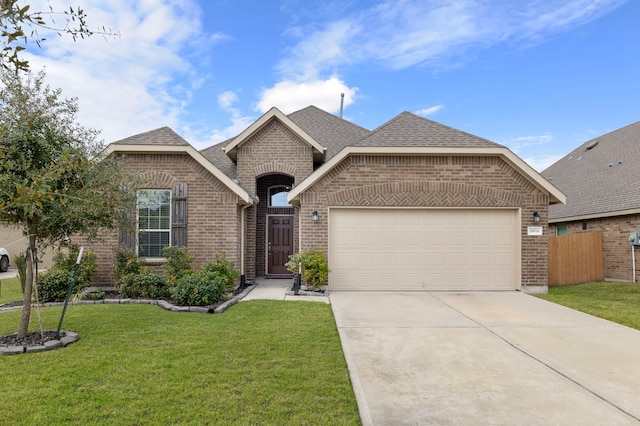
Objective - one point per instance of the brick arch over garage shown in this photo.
(423, 194)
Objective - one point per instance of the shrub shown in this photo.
(225, 269)
(200, 289)
(178, 262)
(146, 285)
(315, 268)
(125, 262)
(66, 260)
(54, 284)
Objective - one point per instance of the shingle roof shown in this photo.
(330, 131)
(408, 129)
(600, 176)
(334, 133)
(218, 158)
(161, 136)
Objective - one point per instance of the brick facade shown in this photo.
(213, 215)
(274, 155)
(616, 248)
(429, 181)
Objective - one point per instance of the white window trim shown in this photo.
(151, 259)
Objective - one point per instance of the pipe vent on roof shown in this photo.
(592, 145)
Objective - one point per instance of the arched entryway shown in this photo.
(275, 225)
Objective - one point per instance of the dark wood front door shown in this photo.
(279, 243)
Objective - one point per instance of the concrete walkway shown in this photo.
(9, 274)
(275, 289)
(482, 358)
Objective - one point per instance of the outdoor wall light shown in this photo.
(314, 216)
(536, 217)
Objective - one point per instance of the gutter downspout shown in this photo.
(242, 236)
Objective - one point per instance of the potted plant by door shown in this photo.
(313, 267)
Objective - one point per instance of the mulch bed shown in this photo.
(31, 339)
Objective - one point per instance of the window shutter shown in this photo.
(179, 215)
(127, 237)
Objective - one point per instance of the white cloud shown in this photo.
(431, 110)
(133, 83)
(523, 142)
(226, 99)
(542, 162)
(289, 96)
(398, 34)
(238, 124)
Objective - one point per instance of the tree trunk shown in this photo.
(28, 287)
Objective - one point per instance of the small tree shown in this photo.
(50, 181)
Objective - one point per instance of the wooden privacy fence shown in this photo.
(576, 258)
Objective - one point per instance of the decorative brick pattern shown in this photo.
(429, 181)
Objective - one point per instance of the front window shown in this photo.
(154, 222)
(278, 196)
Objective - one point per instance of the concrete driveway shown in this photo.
(485, 358)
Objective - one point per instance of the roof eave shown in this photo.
(555, 195)
(600, 215)
(243, 196)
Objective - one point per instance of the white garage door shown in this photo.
(420, 249)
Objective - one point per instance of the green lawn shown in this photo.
(617, 302)
(10, 290)
(261, 362)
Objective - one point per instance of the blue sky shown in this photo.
(540, 77)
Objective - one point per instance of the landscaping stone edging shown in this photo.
(68, 338)
(162, 303)
(302, 292)
(71, 337)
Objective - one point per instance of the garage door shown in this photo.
(420, 249)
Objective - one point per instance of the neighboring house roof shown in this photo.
(161, 136)
(408, 129)
(601, 177)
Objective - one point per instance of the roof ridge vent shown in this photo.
(592, 145)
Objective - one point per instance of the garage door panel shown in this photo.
(414, 249)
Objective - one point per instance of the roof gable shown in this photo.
(600, 177)
(273, 114)
(162, 136)
(144, 143)
(408, 129)
(555, 195)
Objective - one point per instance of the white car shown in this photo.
(4, 260)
